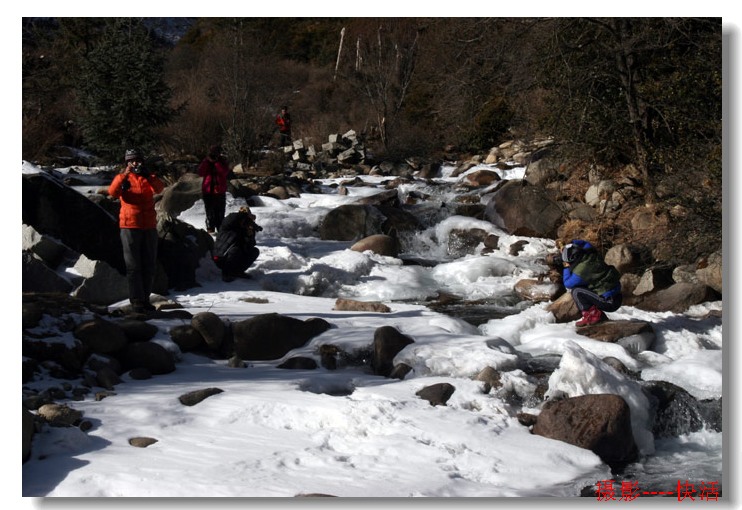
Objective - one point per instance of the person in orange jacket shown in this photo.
(136, 187)
(214, 170)
(283, 121)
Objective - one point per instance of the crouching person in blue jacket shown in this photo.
(595, 285)
(234, 249)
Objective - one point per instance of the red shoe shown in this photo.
(591, 316)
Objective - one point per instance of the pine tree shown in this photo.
(122, 91)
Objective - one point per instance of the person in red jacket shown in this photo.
(136, 187)
(283, 121)
(214, 169)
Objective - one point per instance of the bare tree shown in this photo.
(383, 68)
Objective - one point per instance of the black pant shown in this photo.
(140, 256)
(585, 298)
(285, 138)
(215, 204)
(236, 261)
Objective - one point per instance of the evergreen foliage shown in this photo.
(122, 92)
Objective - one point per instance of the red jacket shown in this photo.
(284, 123)
(214, 173)
(137, 203)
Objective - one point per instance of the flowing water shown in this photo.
(687, 467)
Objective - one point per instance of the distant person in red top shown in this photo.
(214, 169)
(283, 121)
(136, 187)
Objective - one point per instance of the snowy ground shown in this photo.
(280, 433)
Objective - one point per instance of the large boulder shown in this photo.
(147, 355)
(50, 250)
(677, 298)
(599, 423)
(677, 412)
(56, 210)
(180, 196)
(102, 284)
(351, 222)
(272, 336)
(101, 336)
(36, 276)
(622, 257)
(525, 210)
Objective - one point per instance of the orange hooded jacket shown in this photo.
(137, 203)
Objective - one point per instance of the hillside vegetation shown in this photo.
(613, 93)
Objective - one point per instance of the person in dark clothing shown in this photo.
(214, 169)
(595, 286)
(234, 249)
(283, 121)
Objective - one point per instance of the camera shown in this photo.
(554, 260)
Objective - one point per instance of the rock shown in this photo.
(140, 374)
(55, 210)
(36, 276)
(524, 210)
(351, 305)
(194, 397)
(653, 280)
(388, 342)
(622, 258)
(437, 394)
(51, 251)
(517, 247)
(210, 327)
(710, 272)
(677, 298)
(186, 337)
(102, 284)
(351, 222)
(380, 244)
(480, 178)
(564, 309)
(400, 371)
(142, 442)
(58, 415)
(634, 336)
(463, 242)
(101, 336)
(599, 423)
(678, 412)
(538, 291)
(236, 362)
(490, 377)
(272, 336)
(107, 378)
(137, 331)
(180, 196)
(149, 355)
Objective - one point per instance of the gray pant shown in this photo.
(140, 256)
